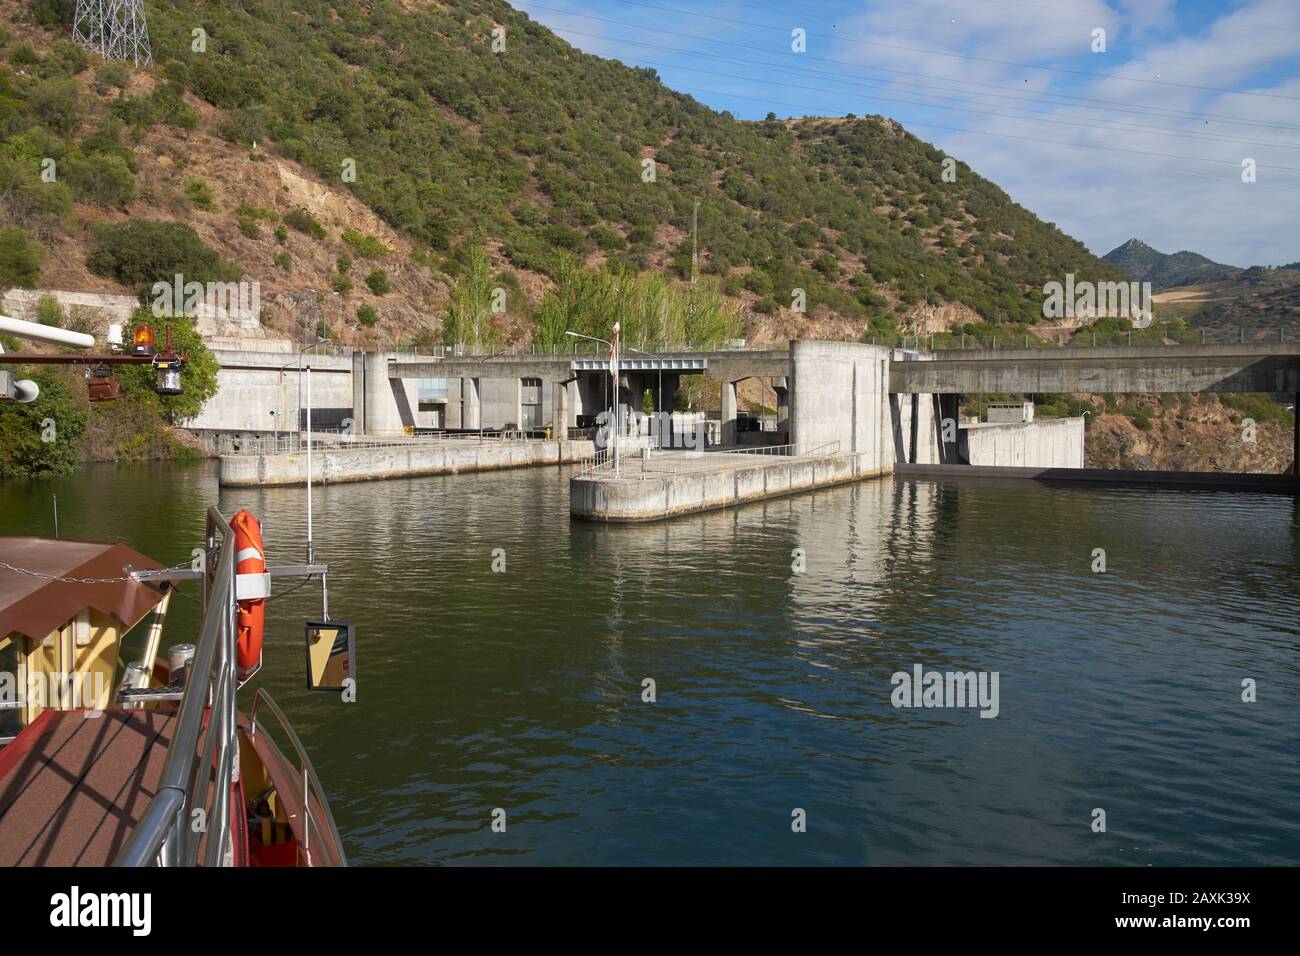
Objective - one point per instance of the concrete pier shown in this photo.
(839, 432)
(720, 480)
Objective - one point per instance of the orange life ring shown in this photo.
(250, 559)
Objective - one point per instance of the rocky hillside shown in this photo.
(1190, 433)
(353, 157)
(1163, 270)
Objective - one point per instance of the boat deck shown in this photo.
(73, 787)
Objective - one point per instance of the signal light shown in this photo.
(143, 339)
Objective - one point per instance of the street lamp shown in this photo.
(614, 372)
(480, 397)
(311, 548)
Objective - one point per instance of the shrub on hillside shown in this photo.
(20, 258)
(303, 221)
(377, 281)
(141, 252)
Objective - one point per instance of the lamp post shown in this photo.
(480, 397)
(311, 547)
(613, 371)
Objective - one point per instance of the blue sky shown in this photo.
(1145, 139)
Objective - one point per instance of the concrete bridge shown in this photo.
(1121, 370)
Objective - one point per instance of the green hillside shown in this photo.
(537, 152)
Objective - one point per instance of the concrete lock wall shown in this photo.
(1048, 443)
(252, 385)
(334, 466)
(838, 393)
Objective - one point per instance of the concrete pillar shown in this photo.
(728, 413)
(946, 411)
(471, 413)
(560, 420)
(360, 368)
(781, 387)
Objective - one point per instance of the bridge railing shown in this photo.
(1060, 338)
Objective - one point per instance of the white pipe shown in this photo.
(45, 333)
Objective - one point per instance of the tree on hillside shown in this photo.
(469, 312)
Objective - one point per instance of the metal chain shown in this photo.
(184, 566)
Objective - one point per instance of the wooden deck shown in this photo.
(73, 787)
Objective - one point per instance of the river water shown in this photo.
(523, 690)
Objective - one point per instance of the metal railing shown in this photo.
(311, 786)
(1083, 337)
(656, 463)
(182, 818)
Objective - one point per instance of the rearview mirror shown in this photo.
(331, 655)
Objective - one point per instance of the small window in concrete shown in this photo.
(431, 394)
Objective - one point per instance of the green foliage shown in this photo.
(53, 13)
(367, 315)
(281, 234)
(284, 260)
(198, 380)
(303, 221)
(49, 311)
(112, 74)
(377, 281)
(20, 258)
(468, 318)
(140, 252)
(24, 427)
(341, 284)
(100, 179)
(1259, 406)
(650, 309)
(199, 193)
(344, 263)
(367, 247)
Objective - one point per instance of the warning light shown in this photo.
(143, 340)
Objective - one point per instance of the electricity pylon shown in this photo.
(115, 29)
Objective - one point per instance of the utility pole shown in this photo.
(695, 255)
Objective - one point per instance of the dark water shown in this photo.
(522, 690)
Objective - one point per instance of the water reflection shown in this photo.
(523, 690)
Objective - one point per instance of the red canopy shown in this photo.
(36, 606)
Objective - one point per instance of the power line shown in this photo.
(941, 106)
(1264, 30)
(1027, 139)
(1153, 111)
(962, 56)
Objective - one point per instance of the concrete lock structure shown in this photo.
(878, 407)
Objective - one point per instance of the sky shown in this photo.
(1144, 139)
